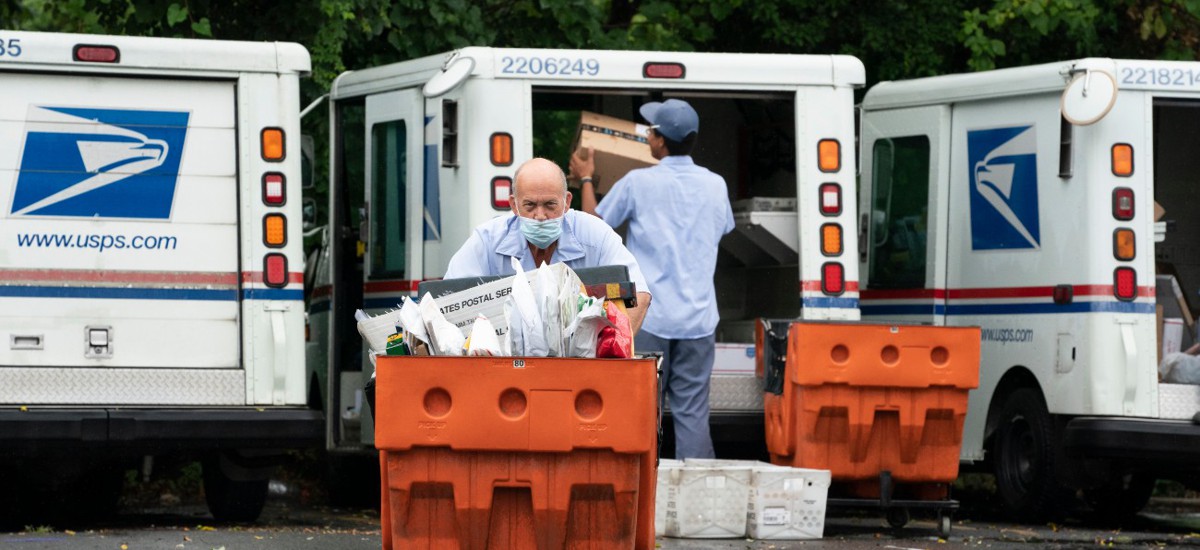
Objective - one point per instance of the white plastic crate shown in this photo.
(664, 499)
(781, 502)
(701, 501)
(787, 503)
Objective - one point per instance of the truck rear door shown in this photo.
(395, 132)
(903, 214)
(119, 230)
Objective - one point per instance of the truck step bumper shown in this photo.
(162, 429)
(1167, 442)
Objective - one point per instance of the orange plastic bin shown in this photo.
(512, 452)
(862, 399)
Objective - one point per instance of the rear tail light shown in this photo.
(1123, 203)
(1122, 160)
(1123, 246)
(831, 199)
(833, 279)
(274, 230)
(502, 149)
(97, 54)
(501, 192)
(831, 239)
(274, 190)
(1125, 283)
(272, 144)
(663, 70)
(829, 155)
(275, 270)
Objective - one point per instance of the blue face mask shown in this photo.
(541, 234)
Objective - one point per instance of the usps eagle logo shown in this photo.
(1004, 188)
(99, 163)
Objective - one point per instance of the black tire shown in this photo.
(233, 500)
(1024, 460)
(1119, 501)
(896, 517)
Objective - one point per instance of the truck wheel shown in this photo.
(1024, 459)
(1121, 499)
(233, 494)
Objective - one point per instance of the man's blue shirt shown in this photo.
(677, 213)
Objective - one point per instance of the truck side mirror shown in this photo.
(307, 164)
(308, 211)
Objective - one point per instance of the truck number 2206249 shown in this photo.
(10, 47)
(552, 66)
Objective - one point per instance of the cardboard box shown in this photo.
(1167, 287)
(619, 146)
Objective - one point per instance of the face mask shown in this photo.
(541, 234)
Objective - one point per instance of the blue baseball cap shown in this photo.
(673, 118)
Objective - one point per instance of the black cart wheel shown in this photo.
(897, 517)
(943, 524)
(1024, 459)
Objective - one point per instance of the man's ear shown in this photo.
(568, 203)
(512, 203)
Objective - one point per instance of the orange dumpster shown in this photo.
(512, 452)
(862, 399)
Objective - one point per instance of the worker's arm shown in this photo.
(583, 168)
(637, 314)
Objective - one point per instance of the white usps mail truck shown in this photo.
(423, 151)
(151, 293)
(1023, 201)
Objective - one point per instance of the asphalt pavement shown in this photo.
(289, 524)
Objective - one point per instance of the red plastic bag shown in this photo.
(615, 341)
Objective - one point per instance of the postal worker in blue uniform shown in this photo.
(677, 213)
(545, 230)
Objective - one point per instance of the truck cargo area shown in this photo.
(749, 139)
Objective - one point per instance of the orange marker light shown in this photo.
(502, 149)
(272, 144)
(831, 239)
(829, 155)
(1123, 247)
(274, 230)
(1122, 160)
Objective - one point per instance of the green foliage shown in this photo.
(1045, 29)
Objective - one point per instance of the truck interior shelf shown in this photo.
(763, 238)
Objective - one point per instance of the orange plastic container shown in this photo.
(861, 399)
(510, 452)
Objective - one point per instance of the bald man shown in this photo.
(544, 230)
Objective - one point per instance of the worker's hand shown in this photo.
(583, 164)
